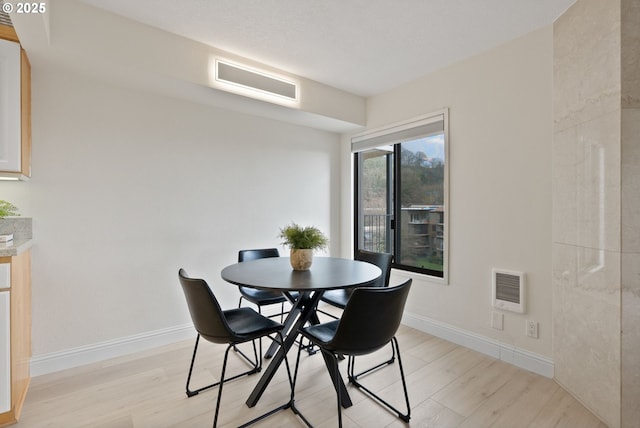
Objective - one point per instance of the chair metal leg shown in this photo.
(191, 393)
(385, 363)
(291, 403)
(353, 378)
(292, 400)
(334, 362)
(327, 314)
(295, 375)
(256, 363)
(256, 366)
(260, 340)
(222, 380)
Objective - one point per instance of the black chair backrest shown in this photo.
(382, 260)
(205, 310)
(260, 253)
(370, 319)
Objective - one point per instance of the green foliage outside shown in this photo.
(431, 263)
(7, 209)
(420, 185)
(301, 238)
(374, 184)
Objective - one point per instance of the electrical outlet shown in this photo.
(531, 329)
(497, 320)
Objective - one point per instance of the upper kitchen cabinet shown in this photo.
(15, 107)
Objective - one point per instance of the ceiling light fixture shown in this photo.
(254, 83)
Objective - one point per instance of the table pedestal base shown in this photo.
(303, 311)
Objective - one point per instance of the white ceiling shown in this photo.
(365, 47)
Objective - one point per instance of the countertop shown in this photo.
(19, 246)
(20, 227)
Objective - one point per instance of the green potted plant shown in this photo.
(302, 241)
(7, 209)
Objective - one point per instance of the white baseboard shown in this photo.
(518, 357)
(74, 357)
(56, 361)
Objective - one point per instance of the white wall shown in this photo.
(129, 186)
(500, 184)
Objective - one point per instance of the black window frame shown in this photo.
(395, 226)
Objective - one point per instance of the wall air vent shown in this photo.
(253, 80)
(5, 19)
(508, 290)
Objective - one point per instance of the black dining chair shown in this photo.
(370, 320)
(339, 298)
(260, 298)
(231, 327)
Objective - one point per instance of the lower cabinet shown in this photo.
(15, 334)
(5, 352)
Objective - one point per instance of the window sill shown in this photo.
(419, 276)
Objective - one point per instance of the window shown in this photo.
(401, 193)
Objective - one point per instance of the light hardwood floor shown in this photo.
(449, 386)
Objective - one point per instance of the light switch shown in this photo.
(497, 320)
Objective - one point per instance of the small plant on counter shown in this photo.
(7, 209)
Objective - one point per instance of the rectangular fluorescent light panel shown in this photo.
(255, 80)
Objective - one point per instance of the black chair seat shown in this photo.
(247, 324)
(323, 333)
(337, 298)
(262, 297)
